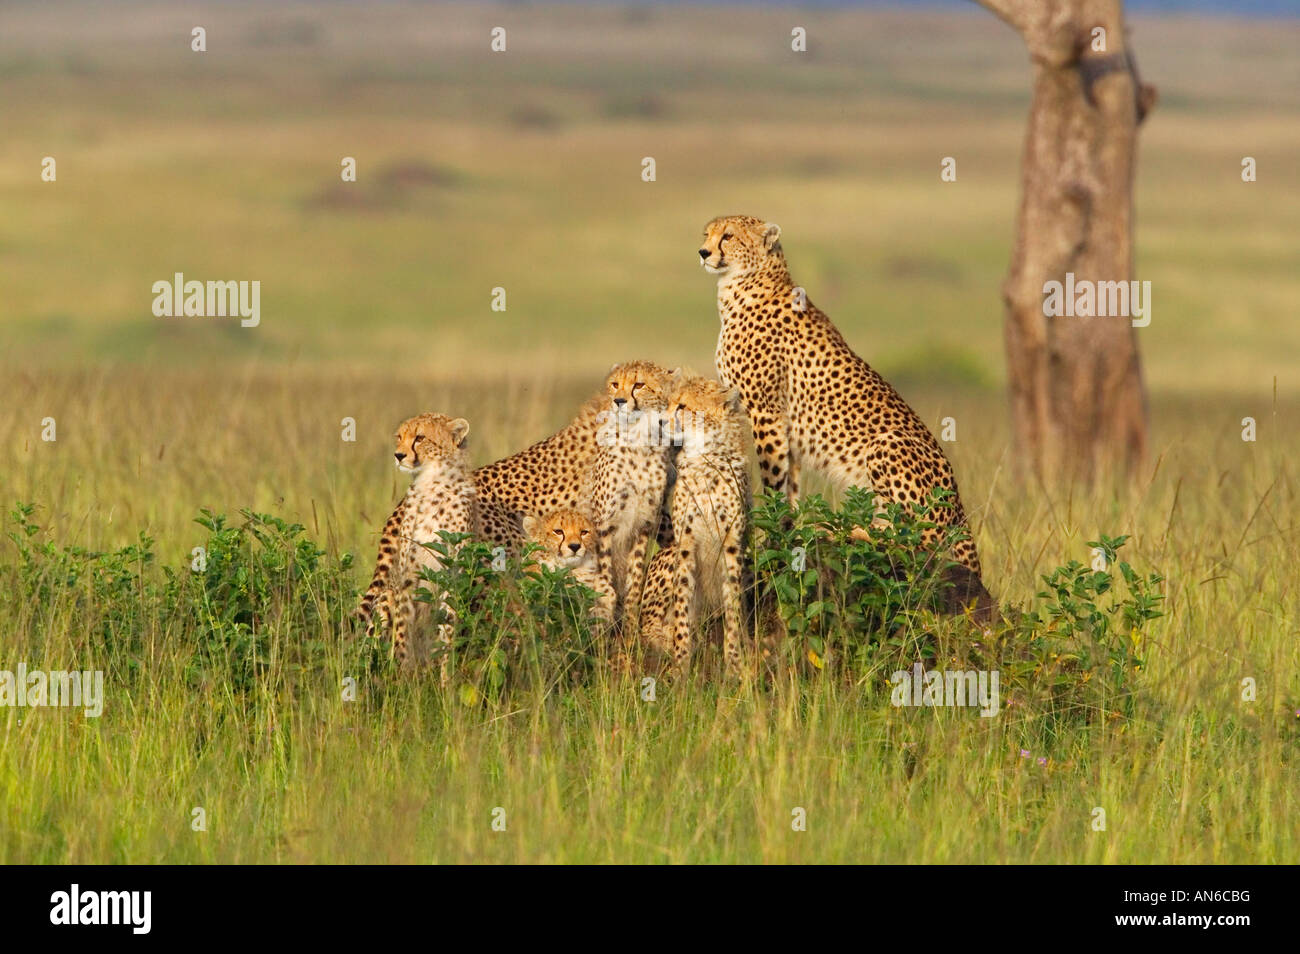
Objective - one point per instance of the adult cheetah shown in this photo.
(442, 497)
(810, 398)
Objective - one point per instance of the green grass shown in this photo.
(524, 172)
(707, 773)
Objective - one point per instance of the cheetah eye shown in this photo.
(728, 237)
(639, 384)
(584, 533)
(558, 532)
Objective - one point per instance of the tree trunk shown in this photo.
(1078, 405)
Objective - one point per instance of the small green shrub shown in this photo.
(259, 580)
(863, 608)
(1076, 651)
(513, 620)
(844, 598)
(108, 594)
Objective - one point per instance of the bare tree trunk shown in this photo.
(1078, 404)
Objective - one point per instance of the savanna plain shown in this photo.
(523, 171)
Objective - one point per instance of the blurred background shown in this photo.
(522, 170)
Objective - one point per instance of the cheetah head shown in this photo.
(640, 386)
(738, 244)
(704, 414)
(567, 536)
(429, 438)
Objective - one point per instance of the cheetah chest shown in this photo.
(630, 491)
(709, 502)
(437, 506)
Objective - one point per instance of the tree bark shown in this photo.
(1078, 404)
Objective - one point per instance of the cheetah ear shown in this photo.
(459, 431)
(530, 524)
(772, 237)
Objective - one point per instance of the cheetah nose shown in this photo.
(704, 253)
(400, 456)
(575, 547)
(619, 402)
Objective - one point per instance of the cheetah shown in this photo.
(811, 398)
(442, 497)
(550, 474)
(569, 541)
(628, 478)
(710, 511)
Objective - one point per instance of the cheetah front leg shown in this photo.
(388, 543)
(402, 620)
(772, 440)
(445, 631)
(634, 580)
(684, 612)
(731, 607)
(605, 560)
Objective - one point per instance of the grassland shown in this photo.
(523, 171)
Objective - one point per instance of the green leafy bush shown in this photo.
(259, 580)
(259, 588)
(863, 608)
(108, 594)
(1077, 649)
(842, 597)
(513, 620)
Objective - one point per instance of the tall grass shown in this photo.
(286, 770)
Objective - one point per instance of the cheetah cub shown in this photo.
(550, 475)
(569, 539)
(625, 484)
(701, 572)
(430, 447)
